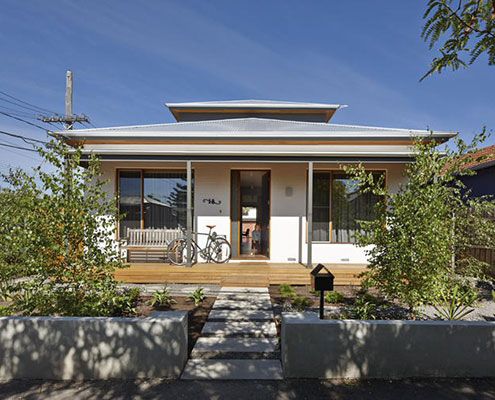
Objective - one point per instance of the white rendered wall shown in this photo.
(288, 205)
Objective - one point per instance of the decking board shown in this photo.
(235, 274)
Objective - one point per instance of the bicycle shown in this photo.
(217, 248)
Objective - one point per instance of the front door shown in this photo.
(250, 213)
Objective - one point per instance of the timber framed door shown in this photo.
(250, 213)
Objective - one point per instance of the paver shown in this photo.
(239, 339)
(233, 369)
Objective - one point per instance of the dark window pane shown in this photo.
(349, 205)
(321, 206)
(165, 199)
(130, 200)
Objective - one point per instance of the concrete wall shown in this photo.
(313, 348)
(93, 348)
(288, 213)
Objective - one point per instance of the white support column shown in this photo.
(309, 215)
(189, 217)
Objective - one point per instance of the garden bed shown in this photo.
(350, 302)
(197, 315)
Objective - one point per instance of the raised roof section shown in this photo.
(282, 110)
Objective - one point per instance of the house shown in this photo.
(483, 182)
(271, 163)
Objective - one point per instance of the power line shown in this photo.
(24, 138)
(17, 147)
(25, 102)
(23, 120)
(20, 113)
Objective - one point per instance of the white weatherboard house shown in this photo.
(267, 174)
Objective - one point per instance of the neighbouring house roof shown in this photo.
(483, 158)
(215, 110)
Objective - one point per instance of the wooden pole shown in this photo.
(189, 215)
(68, 100)
(309, 213)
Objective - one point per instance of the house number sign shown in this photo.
(212, 202)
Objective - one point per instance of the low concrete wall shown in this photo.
(313, 348)
(93, 348)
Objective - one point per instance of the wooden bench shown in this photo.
(148, 245)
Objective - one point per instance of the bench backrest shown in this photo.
(152, 237)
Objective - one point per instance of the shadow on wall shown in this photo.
(313, 348)
(93, 348)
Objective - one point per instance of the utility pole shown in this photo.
(70, 118)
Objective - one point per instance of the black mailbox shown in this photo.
(321, 278)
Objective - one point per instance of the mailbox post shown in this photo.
(321, 280)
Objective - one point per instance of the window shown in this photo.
(152, 199)
(338, 205)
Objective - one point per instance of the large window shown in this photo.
(338, 206)
(152, 199)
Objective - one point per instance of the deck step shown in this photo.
(232, 369)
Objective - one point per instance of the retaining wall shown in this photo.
(313, 348)
(93, 348)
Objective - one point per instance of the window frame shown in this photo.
(142, 172)
(331, 172)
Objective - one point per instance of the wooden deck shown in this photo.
(235, 273)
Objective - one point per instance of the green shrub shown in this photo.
(52, 230)
(334, 297)
(198, 296)
(124, 302)
(421, 233)
(287, 291)
(300, 303)
(364, 308)
(161, 298)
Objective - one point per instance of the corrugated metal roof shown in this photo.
(255, 104)
(250, 128)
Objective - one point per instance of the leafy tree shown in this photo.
(420, 235)
(468, 27)
(56, 231)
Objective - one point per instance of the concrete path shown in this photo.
(239, 339)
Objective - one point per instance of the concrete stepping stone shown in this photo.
(244, 297)
(236, 345)
(242, 304)
(232, 369)
(240, 315)
(234, 289)
(240, 328)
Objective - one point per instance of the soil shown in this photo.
(197, 315)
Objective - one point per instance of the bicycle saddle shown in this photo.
(210, 226)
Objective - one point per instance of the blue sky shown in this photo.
(130, 57)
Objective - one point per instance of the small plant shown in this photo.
(493, 295)
(455, 304)
(300, 303)
(364, 308)
(161, 298)
(124, 302)
(287, 291)
(198, 296)
(334, 297)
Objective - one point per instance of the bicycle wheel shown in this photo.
(177, 252)
(219, 250)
